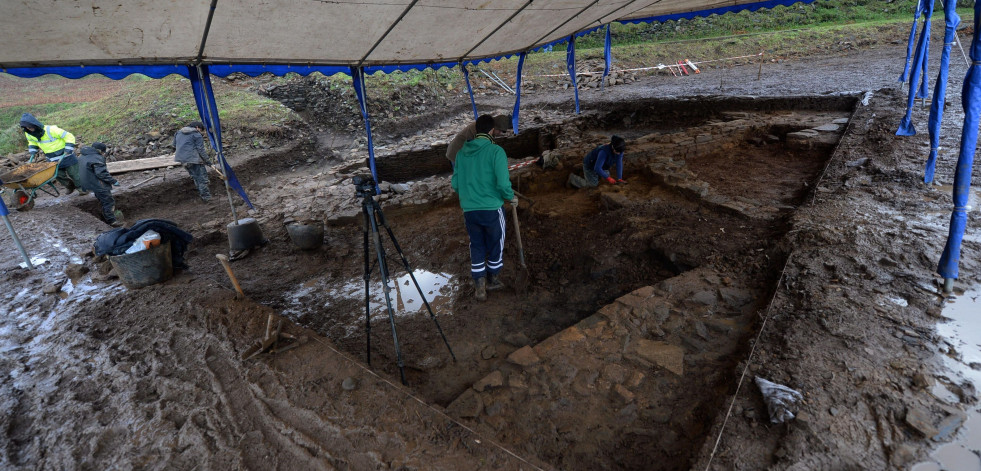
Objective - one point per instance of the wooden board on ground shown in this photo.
(124, 166)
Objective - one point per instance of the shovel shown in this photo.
(521, 280)
(517, 236)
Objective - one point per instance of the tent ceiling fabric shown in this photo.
(53, 33)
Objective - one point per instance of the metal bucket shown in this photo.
(307, 235)
(244, 235)
(144, 268)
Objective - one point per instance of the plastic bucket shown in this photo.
(307, 235)
(145, 267)
(244, 235)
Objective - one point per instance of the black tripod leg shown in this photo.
(405, 262)
(383, 268)
(367, 274)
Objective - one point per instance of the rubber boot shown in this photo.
(494, 282)
(480, 289)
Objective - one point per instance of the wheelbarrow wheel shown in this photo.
(22, 201)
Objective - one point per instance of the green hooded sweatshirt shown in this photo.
(481, 175)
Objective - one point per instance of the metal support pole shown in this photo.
(218, 152)
(20, 246)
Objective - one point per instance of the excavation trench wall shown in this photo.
(629, 119)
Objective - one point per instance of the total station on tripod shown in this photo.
(364, 185)
(373, 219)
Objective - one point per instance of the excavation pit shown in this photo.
(618, 345)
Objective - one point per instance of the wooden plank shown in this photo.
(124, 166)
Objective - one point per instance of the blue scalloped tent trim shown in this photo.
(115, 72)
(717, 11)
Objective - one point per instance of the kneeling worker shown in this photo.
(481, 179)
(598, 162)
(96, 178)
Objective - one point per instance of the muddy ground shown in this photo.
(772, 225)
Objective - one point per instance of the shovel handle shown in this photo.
(228, 269)
(529, 200)
(517, 236)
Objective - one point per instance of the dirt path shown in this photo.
(734, 251)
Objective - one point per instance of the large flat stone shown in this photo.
(524, 356)
(493, 380)
(663, 354)
(921, 421)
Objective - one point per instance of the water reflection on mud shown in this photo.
(963, 363)
(406, 300)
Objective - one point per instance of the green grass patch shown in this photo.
(161, 106)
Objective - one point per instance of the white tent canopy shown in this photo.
(60, 33)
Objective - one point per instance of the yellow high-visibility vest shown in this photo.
(53, 140)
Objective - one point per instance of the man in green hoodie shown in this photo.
(481, 179)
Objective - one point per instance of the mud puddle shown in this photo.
(963, 363)
(407, 300)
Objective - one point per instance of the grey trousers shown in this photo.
(590, 180)
(199, 173)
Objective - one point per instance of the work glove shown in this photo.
(514, 201)
(611, 181)
(115, 183)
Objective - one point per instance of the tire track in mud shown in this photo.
(247, 405)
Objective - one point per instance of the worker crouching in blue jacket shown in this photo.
(96, 178)
(598, 162)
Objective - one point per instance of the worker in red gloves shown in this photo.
(597, 165)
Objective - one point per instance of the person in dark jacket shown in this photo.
(95, 178)
(598, 162)
(190, 153)
(57, 144)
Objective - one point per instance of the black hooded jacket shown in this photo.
(27, 120)
(92, 170)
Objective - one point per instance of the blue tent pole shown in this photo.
(906, 127)
(10, 227)
(912, 37)
(570, 64)
(951, 20)
(517, 93)
(466, 76)
(607, 57)
(208, 118)
(971, 100)
(357, 75)
(924, 90)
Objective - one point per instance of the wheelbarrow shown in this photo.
(25, 181)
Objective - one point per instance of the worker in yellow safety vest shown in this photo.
(57, 144)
